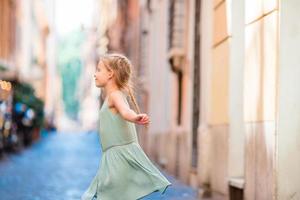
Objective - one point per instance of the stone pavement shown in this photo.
(60, 166)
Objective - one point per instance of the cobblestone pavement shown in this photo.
(60, 166)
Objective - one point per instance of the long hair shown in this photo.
(122, 68)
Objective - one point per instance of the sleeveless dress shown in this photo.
(125, 172)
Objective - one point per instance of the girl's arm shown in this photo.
(125, 111)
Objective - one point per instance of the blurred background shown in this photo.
(218, 78)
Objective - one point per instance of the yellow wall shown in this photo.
(219, 72)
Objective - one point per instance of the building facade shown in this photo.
(219, 81)
(8, 39)
(27, 47)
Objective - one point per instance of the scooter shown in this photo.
(24, 117)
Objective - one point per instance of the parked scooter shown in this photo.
(24, 117)
(1, 125)
(7, 139)
(11, 140)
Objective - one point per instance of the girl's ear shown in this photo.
(110, 73)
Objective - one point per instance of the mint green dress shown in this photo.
(125, 172)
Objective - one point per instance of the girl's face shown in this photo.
(102, 75)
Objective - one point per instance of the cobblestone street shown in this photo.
(60, 167)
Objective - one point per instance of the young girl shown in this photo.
(125, 172)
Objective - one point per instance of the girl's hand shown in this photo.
(142, 119)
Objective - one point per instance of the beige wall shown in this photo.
(236, 73)
(219, 98)
(242, 87)
(162, 87)
(204, 139)
(288, 137)
(261, 34)
(33, 31)
(240, 107)
(159, 84)
(160, 80)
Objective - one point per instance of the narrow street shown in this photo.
(60, 167)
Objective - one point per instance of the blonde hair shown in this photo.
(122, 68)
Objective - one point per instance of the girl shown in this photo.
(125, 172)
